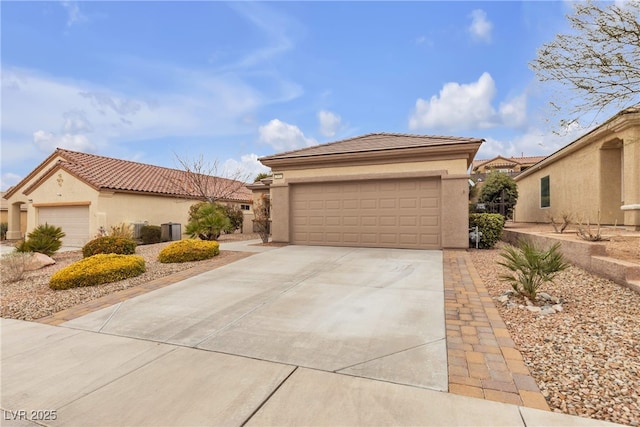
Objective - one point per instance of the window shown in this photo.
(245, 207)
(545, 192)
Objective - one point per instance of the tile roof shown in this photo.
(510, 160)
(373, 142)
(106, 173)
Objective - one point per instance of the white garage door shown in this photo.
(74, 221)
(402, 213)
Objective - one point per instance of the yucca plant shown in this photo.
(531, 267)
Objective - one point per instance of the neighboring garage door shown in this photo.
(400, 213)
(74, 221)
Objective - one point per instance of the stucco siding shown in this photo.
(574, 188)
(595, 178)
(455, 166)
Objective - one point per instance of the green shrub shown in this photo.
(4, 227)
(45, 239)
(109, 245)
(207, 221)
(531, 267)
(189, 250)
(490, 225)
(96, 270)
(150, 234)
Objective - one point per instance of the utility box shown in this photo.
(170, 231)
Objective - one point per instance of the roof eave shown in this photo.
(459, 149)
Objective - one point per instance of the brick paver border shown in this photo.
(482, 358)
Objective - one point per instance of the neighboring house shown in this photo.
(375, 190)
(82, 193)
(509, 165)
(4, 213)
(595, 177)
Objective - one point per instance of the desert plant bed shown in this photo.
(586, 358)
(31, 298)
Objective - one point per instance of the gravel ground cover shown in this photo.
(585, 359)
(31, 298)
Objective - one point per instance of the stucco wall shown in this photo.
(456, 166)
(587, 180)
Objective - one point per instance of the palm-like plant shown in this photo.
(531, 267)
(207, 221)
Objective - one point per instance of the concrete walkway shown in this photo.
(293, 336)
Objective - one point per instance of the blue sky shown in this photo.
(235, 81)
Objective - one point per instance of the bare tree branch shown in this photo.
(599, 62)
(199, 178)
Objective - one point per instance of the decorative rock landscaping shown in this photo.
(585, 358)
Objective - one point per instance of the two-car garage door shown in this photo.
(398, 213)
(74, 221)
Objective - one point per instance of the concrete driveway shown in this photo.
(293, 336)
(374, 313)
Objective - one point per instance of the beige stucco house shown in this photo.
(375, 190)
(82, 192)
(508, 165)
(598, 175)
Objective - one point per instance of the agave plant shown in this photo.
(531, 267)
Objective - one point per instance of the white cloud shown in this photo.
(200, 105)
(468, 106)
(284, 136)
(514, 112)
(480, 27)
(248, 167)
(8, 180)
(47, 141)
(329, 122)
(73, 11)
(457, 107)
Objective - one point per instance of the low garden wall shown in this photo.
(590, 256)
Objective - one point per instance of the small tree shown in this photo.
(207, 220)
(531, 267)
(598, 62)
(261, 176)
(500, 188)
(236, 218)
(261, 212)
(199, 179)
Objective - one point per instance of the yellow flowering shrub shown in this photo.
(189, 250)
(96, 270)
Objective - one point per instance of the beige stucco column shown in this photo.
(279, 195)
(631, 167)
(455, 211)
(13, 232)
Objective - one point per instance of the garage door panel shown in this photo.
(368, 221)
(407, 202)
(390, 213)
(349, 204)
(73, 220)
